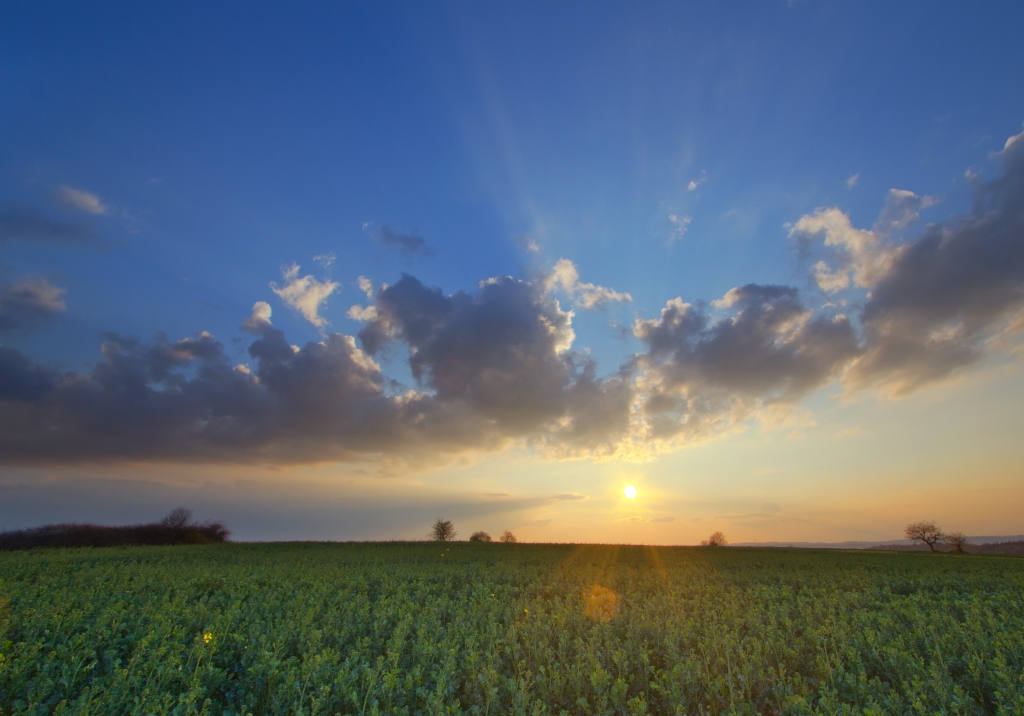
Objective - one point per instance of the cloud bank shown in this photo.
(497, 366)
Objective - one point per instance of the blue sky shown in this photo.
(173, 163)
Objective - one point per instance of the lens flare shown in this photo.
(629, 492)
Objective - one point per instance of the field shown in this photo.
(418, 628)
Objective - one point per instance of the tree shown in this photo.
(179, 518)
(508, 538)
(717, 539)
(480, 537)
(443, 530)
(927, 532)
(957, 540)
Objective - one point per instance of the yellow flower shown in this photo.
(207, 638)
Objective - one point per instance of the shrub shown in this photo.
(480, 537)
(508, 538)
(717, 539)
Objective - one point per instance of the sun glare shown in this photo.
(629, 492)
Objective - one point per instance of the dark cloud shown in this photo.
(409, 245)
(701, 375)
(504, 352)
(28, 302)
(19, 222)
(951, 291)
(496, 364)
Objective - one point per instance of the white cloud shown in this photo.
(326, 260)
(366, 286)
(852, 181)
(80, 200)
(305, 294)
(902, 209)
(586, 295)
(682, 226)
(863, 251)
(259, 320)
(528, 243)
(694, 183)
(867, 255)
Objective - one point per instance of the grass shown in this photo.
(417, 628)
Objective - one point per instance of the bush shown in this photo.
(480, 537)
(508, 538)
(717, 539)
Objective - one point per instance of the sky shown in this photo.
(332, 272)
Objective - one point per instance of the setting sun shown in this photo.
(629, 492)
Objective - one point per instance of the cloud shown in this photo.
(902, 210)
(852, 181)
(28, 302)
(528, 243)
(948, 297)
(366, 286)
(306, 295)
(19, 222)
(408, 245)
(665, 518)
(570, 496)
(326, 260)
(702, 376)
(694, 183)
(682, 225)
(941, 301)
(586, 295)
(504, 353)
(862, 254)
(495, 365)
(79, 200)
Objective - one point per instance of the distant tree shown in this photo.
(927, 532)
(717, 539)
(443, 530)
(957, 540)
(179, 518)
(508, 538)
(480, 537)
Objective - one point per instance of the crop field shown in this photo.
(422, 628)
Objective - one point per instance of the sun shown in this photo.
(629, 492)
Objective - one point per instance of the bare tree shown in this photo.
(442, 531)
(717, 539)
(927, 532)
(178, 518)
(508, 538)
(957, 540)
(480, 537)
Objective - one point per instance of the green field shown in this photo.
(418, 628)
